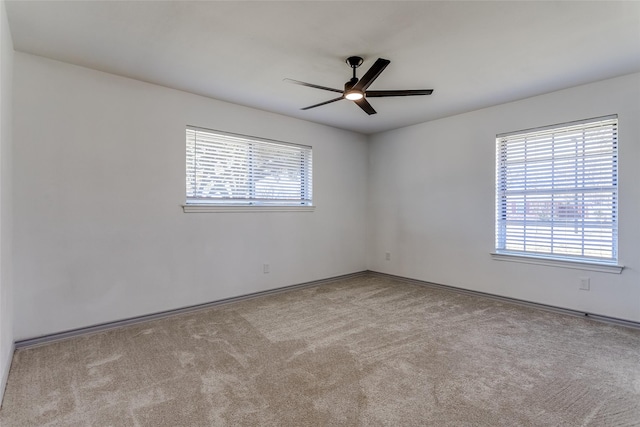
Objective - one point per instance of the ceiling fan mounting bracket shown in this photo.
(354, 61)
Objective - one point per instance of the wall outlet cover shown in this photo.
(585, 283)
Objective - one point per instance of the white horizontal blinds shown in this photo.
(557, 191)
(233, 169)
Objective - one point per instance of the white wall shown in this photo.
(99, 234)
(99, 178)
(6, 306)
(432, 201)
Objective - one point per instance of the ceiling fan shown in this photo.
(356, 90)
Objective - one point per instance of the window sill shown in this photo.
(192, 208)
(578, 265)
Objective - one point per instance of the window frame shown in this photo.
(552, 191)
(250, 203)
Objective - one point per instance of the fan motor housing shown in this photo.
(351, 83)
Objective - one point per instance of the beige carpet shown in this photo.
(366, 351)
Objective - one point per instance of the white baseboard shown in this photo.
(5, 373)
(539, 306)
(47, 339)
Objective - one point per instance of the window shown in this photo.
(225, 169)
(557, 192)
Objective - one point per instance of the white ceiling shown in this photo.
(474, 54)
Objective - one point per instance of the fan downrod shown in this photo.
(354, 62)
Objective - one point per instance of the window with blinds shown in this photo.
(230, 169)
(557, 191)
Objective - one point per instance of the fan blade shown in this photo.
(322, 103)
(364, 104)
(371, 74)
(298, 82)
(383, 93)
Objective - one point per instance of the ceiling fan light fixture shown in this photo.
(357, 89)
(354, 95)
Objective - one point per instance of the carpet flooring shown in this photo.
(364, 351)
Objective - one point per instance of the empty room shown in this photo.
(320, 213)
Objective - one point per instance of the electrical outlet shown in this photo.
(387, 256)
(265, 268)
(585, 283)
